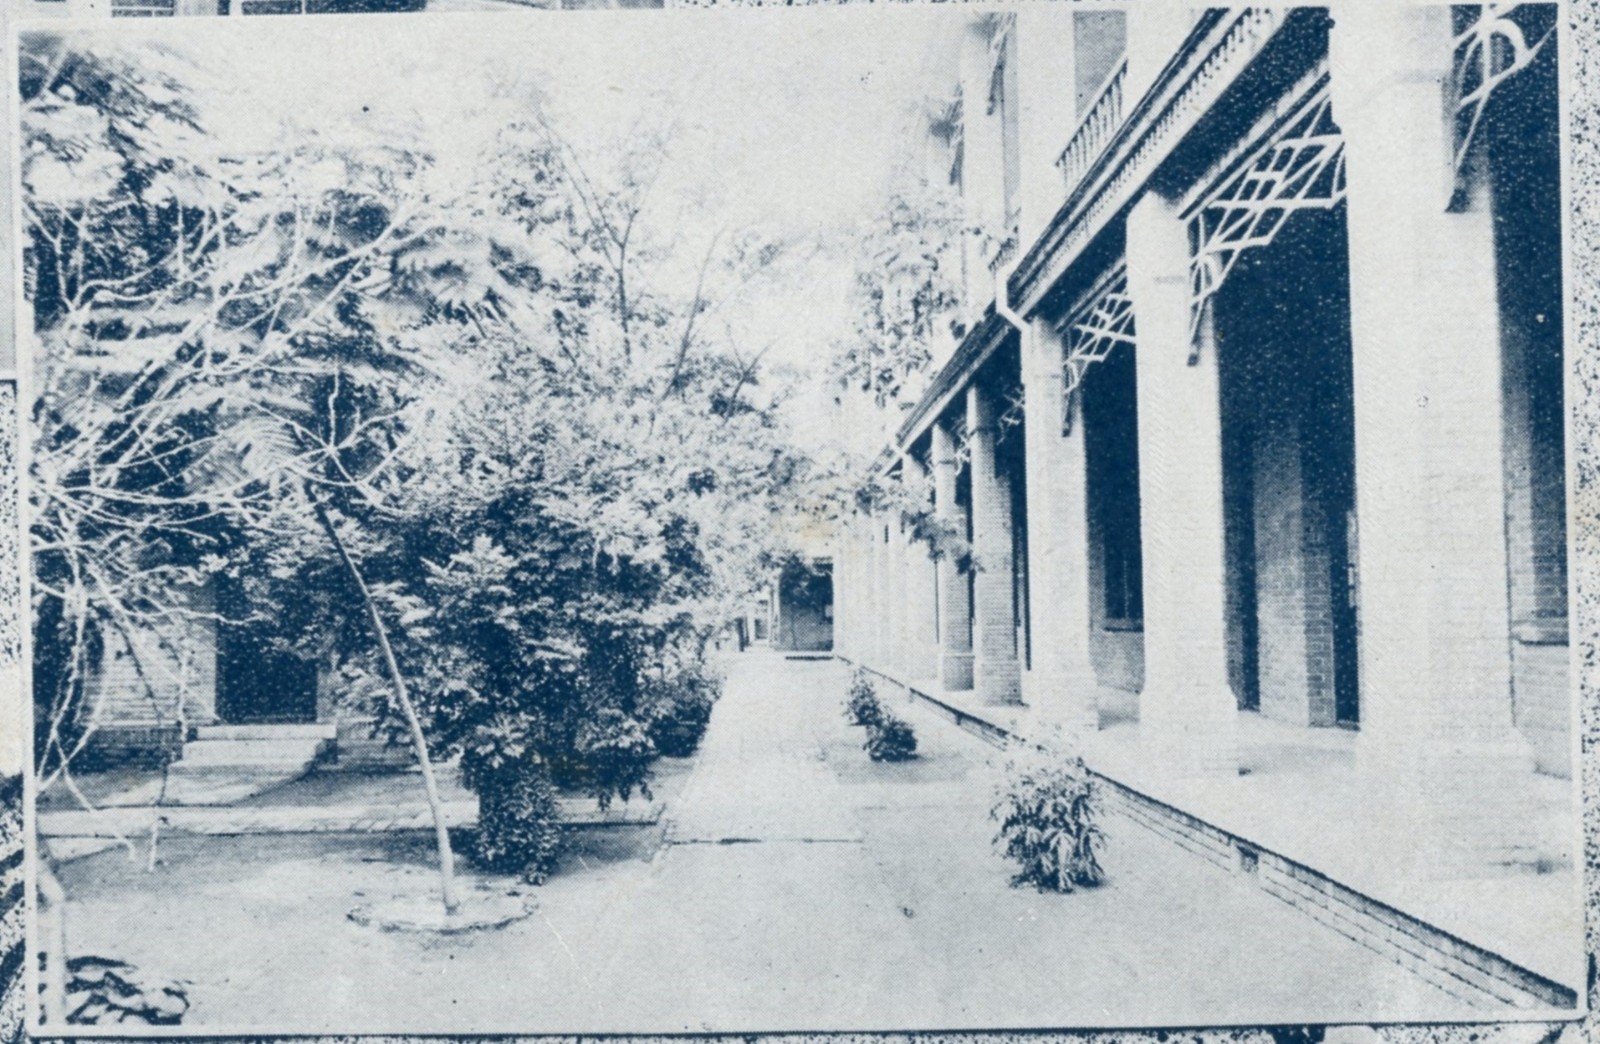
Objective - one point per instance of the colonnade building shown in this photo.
(1256, 437)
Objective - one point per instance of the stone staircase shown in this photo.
(223, 764)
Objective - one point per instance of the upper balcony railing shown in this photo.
(999, 250)
(1099, 122)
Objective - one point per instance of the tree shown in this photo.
(906, 302)
(907, 289)
(463, 440)
(193, 311)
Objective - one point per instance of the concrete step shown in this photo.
(225, 786)
(356, 749)
(252, 751)
(308, 730)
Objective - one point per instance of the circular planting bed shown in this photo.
(479, 910)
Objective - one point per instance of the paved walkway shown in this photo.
(1299, 795)
(794, 884)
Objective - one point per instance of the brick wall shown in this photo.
(1110, 425)
(1542, 703)
(1116, 652)
(1295, 632)
(1240, 554)
(161, 673)
(1536, 562)
(1536, 532)
(1287, 432)
(1525, 193)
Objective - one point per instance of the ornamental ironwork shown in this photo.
(1015, 400)
(961, 436)
(1491, 47)
(1301, 167)
(1222, 44)
(1091, 334)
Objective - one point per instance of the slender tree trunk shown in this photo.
(53, 940)
(447, 861)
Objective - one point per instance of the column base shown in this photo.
(955, 671)
(997, 681)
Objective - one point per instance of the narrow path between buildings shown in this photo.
(792, 884)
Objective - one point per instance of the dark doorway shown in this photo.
(1011, 454)
(259, 682)
(964, 502)
(1283, 343)
(805, 606)
(1111, 449)
(1109, 398)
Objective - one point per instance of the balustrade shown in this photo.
(1099, 122)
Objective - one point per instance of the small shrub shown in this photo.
(1047, 809)
(681, 712)
(615, 752)
(519, 828)
(861, 706)
(891, 739)
(679, 728)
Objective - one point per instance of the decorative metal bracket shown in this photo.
(1090, 336)
(1491, 48)
(1015, 398)
(962, 437)
(1301, 167)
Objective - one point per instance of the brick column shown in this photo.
(1187, 710)
(899, 611)
(847, 589)
(995, 674)
(922, 627)
(1436, 728)
(860, 589)
(866, 602)
(864, 590)
(1062, 682)
(855, 620)
(955, 627)
(881, 630)
(866, 624)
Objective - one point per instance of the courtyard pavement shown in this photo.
(791, 884)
